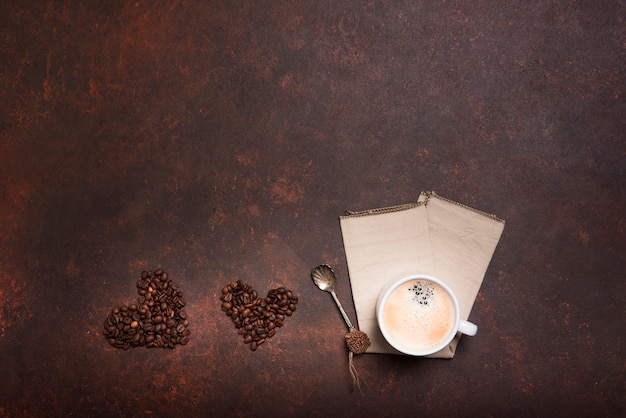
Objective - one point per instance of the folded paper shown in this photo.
(435, 236)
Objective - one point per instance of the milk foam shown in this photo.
(419, 315)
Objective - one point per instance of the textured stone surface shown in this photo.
(221, 140)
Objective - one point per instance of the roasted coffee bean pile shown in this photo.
(257, 319)
(157, 320)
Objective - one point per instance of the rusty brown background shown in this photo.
(222, 140)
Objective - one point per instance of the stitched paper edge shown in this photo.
(378, 211)
(432, 194)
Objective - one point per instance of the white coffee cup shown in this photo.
(419, 315)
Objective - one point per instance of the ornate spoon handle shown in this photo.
(343, 313)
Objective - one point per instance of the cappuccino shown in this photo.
(419, 315)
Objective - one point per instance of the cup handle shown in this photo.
(468, 328)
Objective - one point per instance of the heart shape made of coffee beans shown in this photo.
(255, 318)
(156, 320)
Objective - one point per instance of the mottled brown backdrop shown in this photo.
(221, 140)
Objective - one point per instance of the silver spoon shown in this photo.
(324, 278)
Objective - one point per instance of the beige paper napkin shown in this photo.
(434, 236)
(382, 244)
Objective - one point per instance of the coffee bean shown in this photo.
(155, 321)
(256, 319)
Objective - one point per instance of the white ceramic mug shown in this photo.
(419, 315)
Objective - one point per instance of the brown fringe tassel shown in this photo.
(357, 342)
